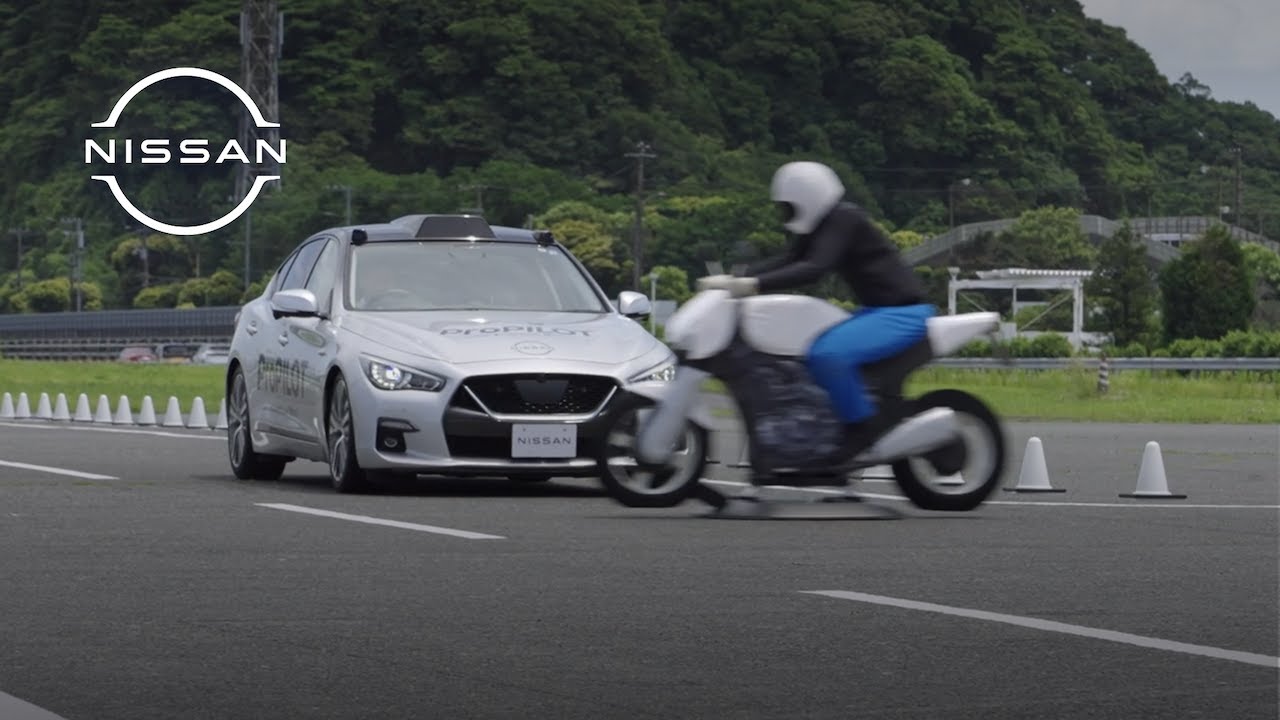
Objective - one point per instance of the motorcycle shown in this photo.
(946, 447)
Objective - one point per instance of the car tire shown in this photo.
(345, 472)
(246, 462)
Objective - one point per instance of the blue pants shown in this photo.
(871, 334)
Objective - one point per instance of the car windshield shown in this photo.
(438, 275)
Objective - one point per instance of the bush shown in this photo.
(1050, 345)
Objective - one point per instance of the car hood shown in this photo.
(463, 337)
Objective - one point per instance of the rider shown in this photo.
(832, 236)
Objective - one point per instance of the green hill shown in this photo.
(528, 108)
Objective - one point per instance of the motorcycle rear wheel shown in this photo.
(983, 452)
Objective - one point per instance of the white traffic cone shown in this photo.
(61, 412)
(1152, 482)
(221, 422)
(124, 414)
(198, 417)
(1034, 475)
(6, 407)
(147, 415)
(172, 414)
(103, 413)
(24, 407)
(44, 411)
(82, 410)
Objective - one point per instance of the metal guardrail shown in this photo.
(162, 323)
(1066, 363)
(97, 349)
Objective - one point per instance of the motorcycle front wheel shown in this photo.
(641, 485)
(971, 467)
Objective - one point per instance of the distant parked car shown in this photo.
(137, 353)
(209, 354)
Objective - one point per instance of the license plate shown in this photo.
(544, 440)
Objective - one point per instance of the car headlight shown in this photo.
(666, 372)
(390, 376)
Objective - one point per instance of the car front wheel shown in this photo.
(344, 469)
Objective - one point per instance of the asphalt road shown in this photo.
(160, 587)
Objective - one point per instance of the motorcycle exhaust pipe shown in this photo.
(660, 431)
(917, 435)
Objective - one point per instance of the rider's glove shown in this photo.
(714, 282)
(743, 286)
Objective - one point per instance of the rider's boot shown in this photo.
(860, 436)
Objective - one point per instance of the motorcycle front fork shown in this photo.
(657, 436)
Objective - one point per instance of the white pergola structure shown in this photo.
(1016, 279)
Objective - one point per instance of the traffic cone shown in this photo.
(1034, 475)
(124, 414)
(82, 410)
(147, 415)
(24, 407)
(60, 411)
(43, 410)
(221, 422)
(6, 407)
(173, 414)
(103, 414)
(198, 417)
(1152, 482)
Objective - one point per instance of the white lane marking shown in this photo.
(1154, 503)
(12, 708)
(1052, 626)
(379, 521)
(157, 433)
(57, 471)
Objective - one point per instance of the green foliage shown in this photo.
(1123, 288)
(673, 284)
(1207, 290)
(1049, 237)
(527, 109)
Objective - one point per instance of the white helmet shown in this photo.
(809, 191)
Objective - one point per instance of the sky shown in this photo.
(1229, 45)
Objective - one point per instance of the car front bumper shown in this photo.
(449, 433)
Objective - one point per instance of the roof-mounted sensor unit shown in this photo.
(544, 237)
(453, 227)
(359, 237)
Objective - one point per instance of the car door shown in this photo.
(311, 342)
(280, 367)
(253, 350)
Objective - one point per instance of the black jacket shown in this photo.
(848, 244)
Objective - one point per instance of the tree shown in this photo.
(673, 283)
(1123, 289)
(1207, 290)
(1050, 237)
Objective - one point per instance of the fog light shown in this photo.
(390, 437)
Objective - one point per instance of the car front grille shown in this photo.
(536, 394)
(499, 448)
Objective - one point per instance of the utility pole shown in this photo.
(479, 190)
(19, 233)
(641, 153)
(1239, 209)
(77, 262)
(346, 191)
(261, 39)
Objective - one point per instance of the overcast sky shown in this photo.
(1229, 45)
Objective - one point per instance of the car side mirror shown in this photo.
(297, 302)
(634, 304)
